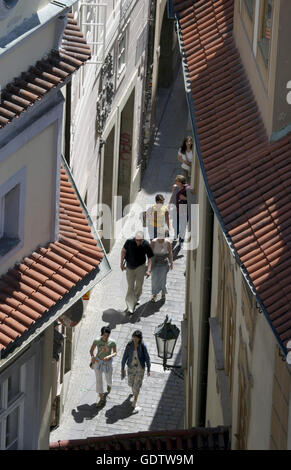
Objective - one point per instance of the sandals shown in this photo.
(163, 296)
(154, 298)
(101, 402)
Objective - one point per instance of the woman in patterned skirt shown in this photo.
(136, 357)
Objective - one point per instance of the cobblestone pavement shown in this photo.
(162, 394)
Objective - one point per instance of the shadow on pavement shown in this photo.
(171, 408)
(117, 412)
(176, 252)
(146, 310)
(114, 317)
(86, 412)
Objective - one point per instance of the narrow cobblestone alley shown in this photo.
(162, 394)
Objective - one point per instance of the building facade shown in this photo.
(236, 56)
(50, 254)
(111, 119)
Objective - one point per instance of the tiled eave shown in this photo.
(247, 178)
(36, 291)
(50, 72)
(179, 439)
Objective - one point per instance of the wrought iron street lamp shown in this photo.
(166, 336)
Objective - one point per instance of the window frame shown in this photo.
(120, 72)
(19, 178)
(247, 7)
(120, 53)
(7, 408)
(263, 12)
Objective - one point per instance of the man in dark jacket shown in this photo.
(134, 253)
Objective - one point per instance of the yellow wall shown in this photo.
(46, 388)
(262, 79)
(260, 360)
(194, 293)
(38, 156)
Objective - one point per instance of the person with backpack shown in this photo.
(136, 357)
(157, 217)
(179, 201)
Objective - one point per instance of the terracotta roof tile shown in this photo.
(179, 439)
(35, 285)
(46, 74)
(248, 176)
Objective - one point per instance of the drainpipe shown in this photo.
(204, 338)
(67, 150)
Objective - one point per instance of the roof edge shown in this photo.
(191, 107)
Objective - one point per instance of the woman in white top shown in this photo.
(162, 261)
(185, 156)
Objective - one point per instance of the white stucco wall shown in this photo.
(85, 160)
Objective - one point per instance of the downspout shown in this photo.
(205, 331)
(67, 150)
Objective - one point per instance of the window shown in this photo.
(121, 53)
(229, 337)
(250, 8)
(12, 195)
(12, 410)
(245, 384)
(266, 30)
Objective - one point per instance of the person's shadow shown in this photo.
(146, 310)
(117, 412)
(114, 317)
(86, 412)
(176, 252)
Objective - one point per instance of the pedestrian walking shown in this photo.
(102, 362)
(158, 218)
(133, 259)
(185, 156)
(180, 215)
(162, 262)
(136, 357)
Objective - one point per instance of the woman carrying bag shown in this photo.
(136, 357)
(162, 262)
(102, 362)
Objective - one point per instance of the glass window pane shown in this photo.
(250, 7)
(13, 386)
(12, 427)
(266, 29)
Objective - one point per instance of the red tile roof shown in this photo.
(178, 439)
(34, 286)
(46, 74)
(248, 177)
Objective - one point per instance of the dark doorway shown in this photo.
(125, 151)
